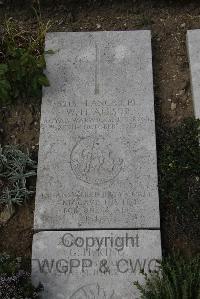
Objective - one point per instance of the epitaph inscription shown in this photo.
(97, 156)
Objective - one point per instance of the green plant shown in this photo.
(179, 163)
(15, 281)
(178, 277)
(8, 265)
(22, 57)
(15, 168)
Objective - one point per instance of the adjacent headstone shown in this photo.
(94, 264)
(97, 158)
(193, 44)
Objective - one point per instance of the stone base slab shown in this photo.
(95, 264)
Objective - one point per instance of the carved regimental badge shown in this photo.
(95, 160)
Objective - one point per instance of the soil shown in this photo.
(16, 235)
(169, 23)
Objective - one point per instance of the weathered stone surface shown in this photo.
(93, 264)
(97, 159)
(193, 44)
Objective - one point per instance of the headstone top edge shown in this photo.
(189, 31)
(65, 33)
(192, 33)
(142, 232)
(102, 230)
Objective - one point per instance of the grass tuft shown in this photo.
(22, 60)
(178, 277)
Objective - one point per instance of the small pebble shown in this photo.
(173, 106)
(183, 25)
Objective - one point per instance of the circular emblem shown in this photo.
(89, 291)
(95, 160)
(93, 291)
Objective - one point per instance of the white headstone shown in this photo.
(97, 157)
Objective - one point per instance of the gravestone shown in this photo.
(193, 44)
(97, 209)
(97, 159)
